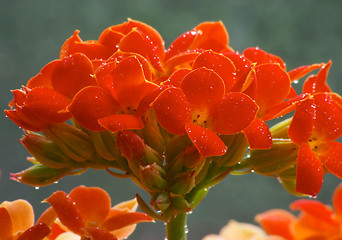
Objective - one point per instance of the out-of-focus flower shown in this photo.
(315, 221)
(87, 211)
(17, 222)
(241, 231)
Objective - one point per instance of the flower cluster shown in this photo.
(176, 120)
(72, 216)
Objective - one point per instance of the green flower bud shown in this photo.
(161, 201)
(182, 183)
(39, 175)
(151, 177)
(179, 205)
(277, 160)
(73, 142)
(45, 151)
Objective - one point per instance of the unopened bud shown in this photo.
(74, 142)
(44, 150)
(180, 205)
(182, 183)
(130, 144)
(151, 177)
(39, 175)
(161, 201)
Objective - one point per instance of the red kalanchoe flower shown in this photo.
(80, 212)
(201, 106)
(316, 124)
(47, 95)
(112, 104)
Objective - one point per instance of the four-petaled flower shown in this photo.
(87, 211)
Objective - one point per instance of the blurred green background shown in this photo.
(32, 32)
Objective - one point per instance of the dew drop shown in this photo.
(37, 188)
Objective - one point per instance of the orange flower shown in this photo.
(80, 212)
(16, 222)
(316, 220)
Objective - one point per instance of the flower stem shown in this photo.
(176, 228)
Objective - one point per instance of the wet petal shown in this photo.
(272, 85)
(176, 77)
(235, 112)
(25, 119)
(72, 74)
(172, 110)
(328, 123)
(301, 71)
(92, 49)
(309, 173)
(181, 43)
(37, 232)
(90, 104)
(43, 78)
(260, 56)
(87, 201)
(67, 211)
(318, 83)
(220, 64)
(129, 83)
(302, 124)
(119, 122)
(213, 36)
(48, 105)
(206, 141)
(258, 135)
(203, 89)
(330, 153)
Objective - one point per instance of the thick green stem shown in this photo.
(176, 228)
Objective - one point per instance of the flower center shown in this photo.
(200, 119)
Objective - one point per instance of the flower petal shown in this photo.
(309, 173)
(314, 208)
(176, 77)
(318, 83)
(206, 141)
(43, 78)
(124, 219)
(220, 64)
(67, 211)
(87, 201)
(36, 232)
(258, 135)
(172, 110)
(302, 124)
(119, 122)
(25, 119)
(72, 74)
(48, 104)
(21, 212)
(301, 71)
(337, 201)
(99, 234)
(90, 104)
(6, 226)
(129, 85)
(92, 49)
(277, 222)
(260, 56)
(203, 89)
(330, 153)
(213, 36)
(272, 85)
(328, 122)
(235, 112)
